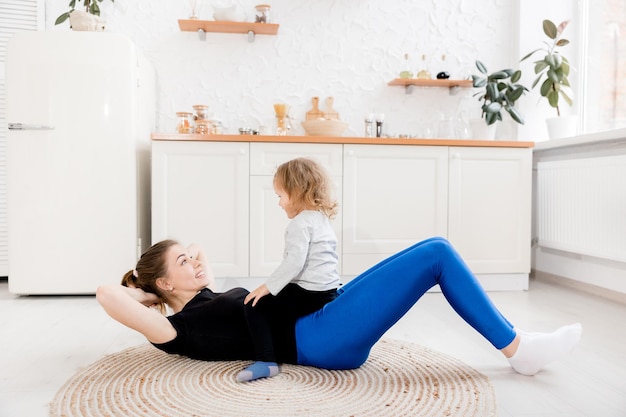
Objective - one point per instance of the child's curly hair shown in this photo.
(307, 184)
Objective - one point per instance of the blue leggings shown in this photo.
(341, 334)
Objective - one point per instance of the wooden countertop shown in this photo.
(339, 140)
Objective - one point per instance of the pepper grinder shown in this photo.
(380, 118)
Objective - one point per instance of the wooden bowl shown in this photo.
(324, 127)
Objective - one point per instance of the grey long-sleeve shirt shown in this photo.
(310, 256)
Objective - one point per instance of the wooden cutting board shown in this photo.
(315, 112)
(330, 112)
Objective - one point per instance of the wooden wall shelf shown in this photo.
(430, 83)
(409, 83)
(216, 26)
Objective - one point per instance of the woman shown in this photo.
(211, 326)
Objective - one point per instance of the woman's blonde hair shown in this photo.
(151, 266)
(307, 184)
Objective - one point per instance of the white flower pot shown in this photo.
(83, 21)
(563, 126)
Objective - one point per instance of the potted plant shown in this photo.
(553, 68)
(500, 92)
(83, 20)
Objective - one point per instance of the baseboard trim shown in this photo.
(581, 286)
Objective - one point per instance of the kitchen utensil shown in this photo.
(330, 113)
(282, 119)
(315, 112)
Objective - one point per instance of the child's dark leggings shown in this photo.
(341, 334)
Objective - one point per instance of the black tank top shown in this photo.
(211, 327)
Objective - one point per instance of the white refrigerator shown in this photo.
(80, 110)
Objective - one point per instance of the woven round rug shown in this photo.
(398, 379)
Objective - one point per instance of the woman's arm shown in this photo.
(129, 306)
(195, 251)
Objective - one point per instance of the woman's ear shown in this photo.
(164, 284)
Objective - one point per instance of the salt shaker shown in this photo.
(369, 125)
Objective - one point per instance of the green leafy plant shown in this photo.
(91, 6)
(554, 68)
(500, 92)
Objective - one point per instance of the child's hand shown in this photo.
(256, 295)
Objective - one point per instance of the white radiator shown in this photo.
(581, 206)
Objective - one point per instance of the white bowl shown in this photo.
(324, 127)
(227, 14)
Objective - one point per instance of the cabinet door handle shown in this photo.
(26, 126)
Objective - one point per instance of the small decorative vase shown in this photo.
(86, 22)
(563, 126)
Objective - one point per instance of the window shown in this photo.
(597, 55)
(603, 81)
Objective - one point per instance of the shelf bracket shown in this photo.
(250, 36)
(408, 89)
(454, 90)
(201, 34)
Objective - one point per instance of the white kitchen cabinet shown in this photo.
(267, 220)
(477, 197)
(393, 196)
(200, 193)
(489, 210)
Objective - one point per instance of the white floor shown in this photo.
(45, 340)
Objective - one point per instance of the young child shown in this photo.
(307, 277)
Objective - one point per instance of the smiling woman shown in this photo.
(181, 278)
(219, 326)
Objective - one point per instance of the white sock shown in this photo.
(536, 350)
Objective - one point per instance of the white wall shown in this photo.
(348, 49)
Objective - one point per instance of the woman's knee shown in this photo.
(438, 244)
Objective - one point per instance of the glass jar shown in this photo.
(216, 127)
(204, 127)
(185, 122)
(201, 112)
(262, 13)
